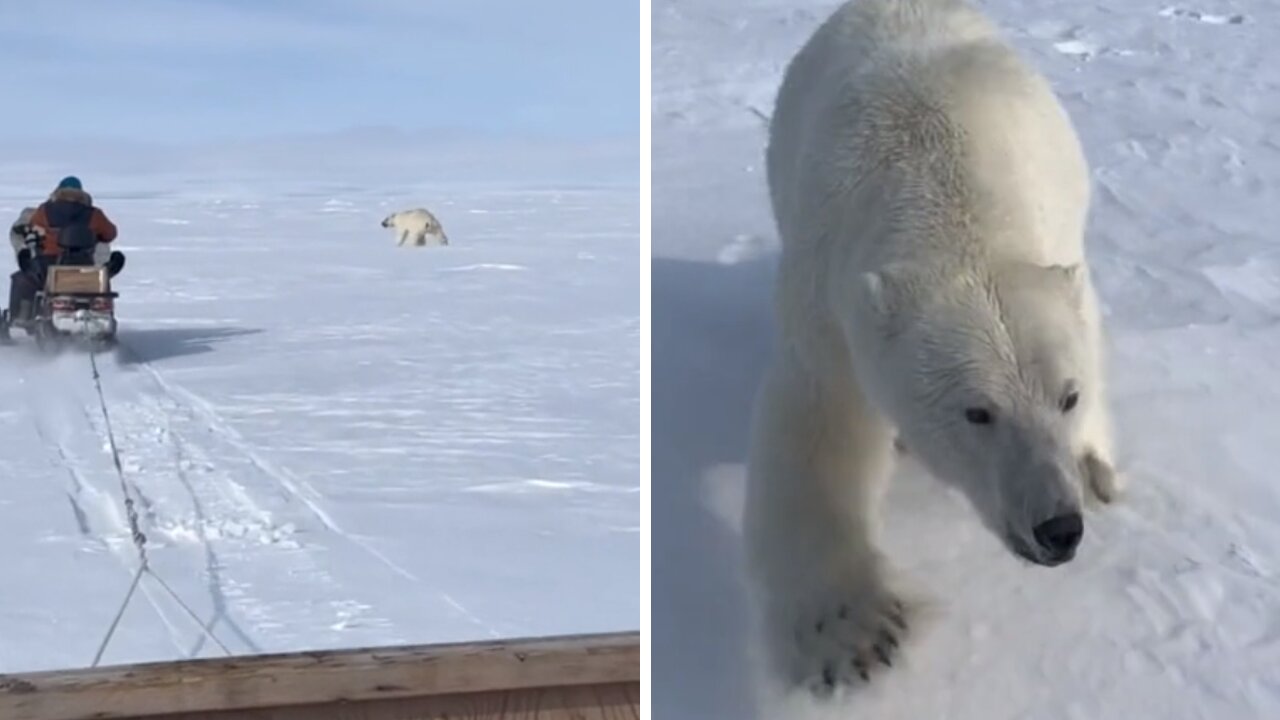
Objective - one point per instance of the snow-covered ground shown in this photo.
(335, 442)
(1172, 608)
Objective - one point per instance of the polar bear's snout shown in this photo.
(1058, 537)
(1051, 526)
(1054, 541)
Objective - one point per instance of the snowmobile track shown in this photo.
(99, 518)
(179, 402)
(299, 490)
(296, 489)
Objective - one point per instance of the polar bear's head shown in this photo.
(390, 220)
(984, 374)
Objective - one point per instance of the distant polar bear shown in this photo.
(417, 226)
(931, 195)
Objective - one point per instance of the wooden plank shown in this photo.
(326, 677)
(77, 279)
(617, 701)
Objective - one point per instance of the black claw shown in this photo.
(828, 677)
(883, 655)
(896, 616)
(843, 613)
(887, 638)
(818, 626)
(862, 669)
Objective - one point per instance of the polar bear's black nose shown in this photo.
(1059, 536)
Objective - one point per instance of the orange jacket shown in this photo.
(102, 227)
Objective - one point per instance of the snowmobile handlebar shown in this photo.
(31, 239)
(29, 233)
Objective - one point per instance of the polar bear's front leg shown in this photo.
(819, 461)
(1102, 482)
(403, 236)
(1097, 468)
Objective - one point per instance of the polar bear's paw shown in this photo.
(851, 638)
(1102, 482)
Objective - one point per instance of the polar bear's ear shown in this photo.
(873, 285)
(1066, 281)
(880, 292)
(1071, 277)
(885, 295)
(1073, 273)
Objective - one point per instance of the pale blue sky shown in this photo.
(199, 70)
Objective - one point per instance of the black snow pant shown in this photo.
(22, 287)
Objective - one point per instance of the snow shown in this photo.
(336, 442)
(1172, 607)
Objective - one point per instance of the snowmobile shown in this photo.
(75, 302)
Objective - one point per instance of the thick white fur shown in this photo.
(417, 227)
(931, 196)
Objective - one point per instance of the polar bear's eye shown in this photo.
(978, 416)
(1069, 401)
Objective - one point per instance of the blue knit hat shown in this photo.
(71, 181)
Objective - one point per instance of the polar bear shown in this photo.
(931, 197)
(416, 225)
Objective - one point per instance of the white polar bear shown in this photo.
(416, 225)
(931, 196)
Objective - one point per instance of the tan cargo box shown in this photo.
(77, 280)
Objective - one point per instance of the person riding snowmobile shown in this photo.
(69, 209)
